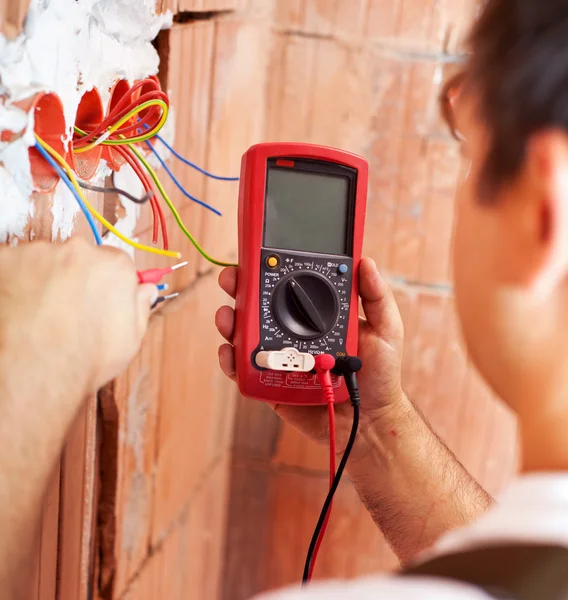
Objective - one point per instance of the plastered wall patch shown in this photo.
(67, 47)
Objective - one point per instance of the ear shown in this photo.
(542, 206)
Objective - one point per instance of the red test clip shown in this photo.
(156, 275)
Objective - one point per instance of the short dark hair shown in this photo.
(519, 69)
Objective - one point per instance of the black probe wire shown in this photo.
(352, 386)
(115, 190)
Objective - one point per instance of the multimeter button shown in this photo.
(343, 268)
(272, 262)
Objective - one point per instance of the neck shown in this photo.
(544, 442)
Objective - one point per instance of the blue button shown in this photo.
(343, 269)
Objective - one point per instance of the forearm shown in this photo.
(36, 409)
(412, 484)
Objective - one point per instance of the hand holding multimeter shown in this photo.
(301, 221)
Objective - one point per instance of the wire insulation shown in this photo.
(332, 454)
(176, 213)
(121, 122)
(95, 214)
(193, 165)
(324, 364)
(115, 190)
(63, 176)
(178, 184)
(348, 367)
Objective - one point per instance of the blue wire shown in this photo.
(193, 165)
(178, 184)
(68, 183)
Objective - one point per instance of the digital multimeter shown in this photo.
(301, 221)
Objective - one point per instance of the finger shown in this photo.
(379, 303)
(225, 322)
(227, 361)
(228, 281)
(147, 295)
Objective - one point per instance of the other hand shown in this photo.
(381, 337)
(74, 309)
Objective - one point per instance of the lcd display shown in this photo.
(307, 211)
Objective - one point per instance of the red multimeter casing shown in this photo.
(295, 200)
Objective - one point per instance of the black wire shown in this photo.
(354, 395)
(115, 190)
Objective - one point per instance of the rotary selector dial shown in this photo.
(305, 304)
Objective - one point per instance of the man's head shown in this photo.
(511, 233)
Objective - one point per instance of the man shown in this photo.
(71, 318)
(509, 109)
(511, 268)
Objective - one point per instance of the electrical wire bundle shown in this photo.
(130, 127)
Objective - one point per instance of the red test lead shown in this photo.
(156, 275)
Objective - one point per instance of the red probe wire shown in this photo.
(156, 275)
(324, 364)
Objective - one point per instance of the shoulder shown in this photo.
(389, 588)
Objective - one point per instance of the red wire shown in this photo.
(327, 389)
(131, 160)
(156, 207)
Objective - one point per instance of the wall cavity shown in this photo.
(66, 47)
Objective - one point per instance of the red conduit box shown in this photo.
(120, 89)
(90, 115)
(49, 124)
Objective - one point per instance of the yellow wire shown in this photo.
(176, 213)
(125, 119)
(95, 214)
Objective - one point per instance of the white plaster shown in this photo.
(127, 180)
(67, 47)
(64, 211)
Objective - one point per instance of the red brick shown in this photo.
(320, 16)
(295, 450)
(12, 17)
(296, 501)
(351, 19)
(289, 14)
(137, 394)
(237, 120)
(290, 85)
(187, 563)
(193, 394)
(77, 512)
(211, 5)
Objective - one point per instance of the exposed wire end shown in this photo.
(161, 299)
(115, 190)
(179, 185)
(162, 287)
(179, 265)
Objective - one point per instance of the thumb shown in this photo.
(147, 295)
(379, 303)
